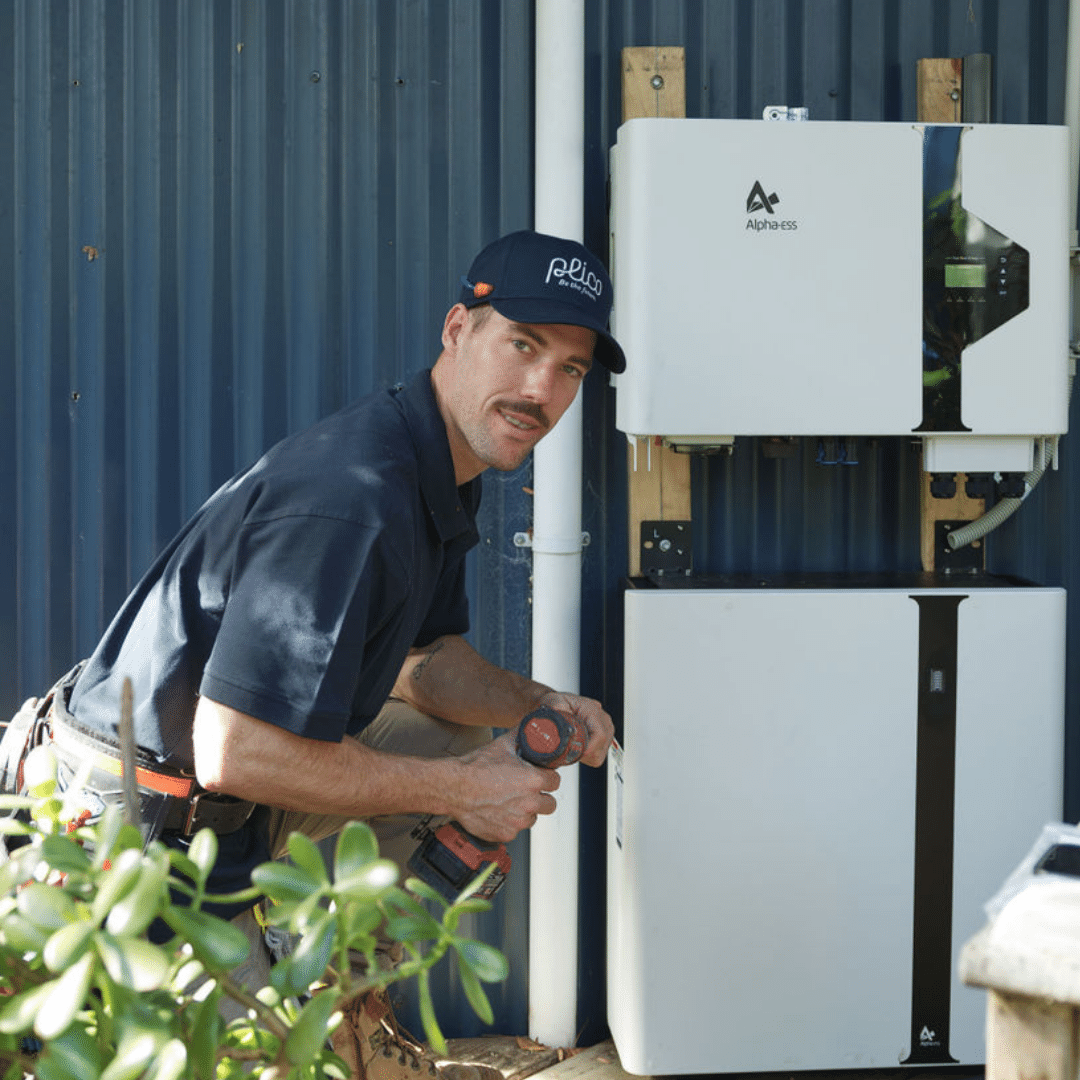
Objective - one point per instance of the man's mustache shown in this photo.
(526, 408)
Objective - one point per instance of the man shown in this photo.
(296, 652)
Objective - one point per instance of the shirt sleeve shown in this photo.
(305, 596)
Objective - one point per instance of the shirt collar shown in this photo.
(452, 508)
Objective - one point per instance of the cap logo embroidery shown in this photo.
(482, 288)
(576, 275)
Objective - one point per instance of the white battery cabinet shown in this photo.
(843, 278)
(817, 789)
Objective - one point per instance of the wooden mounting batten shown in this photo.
(654, 84)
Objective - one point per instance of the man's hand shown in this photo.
(499, 794)
(591, 713)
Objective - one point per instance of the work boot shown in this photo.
(375, 1047)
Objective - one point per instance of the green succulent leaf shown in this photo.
(62, 853)
(427, 1014)
(170, 1063)
(422, 888)
(489, 964)
(205, 1033)
(107, 832)
(20, 935)
(14, 827)
(66, 945)
(412, 927)
(67, 997)
(74, 1055)
(361, 919)
(217, 943)
(134, 912)
(133, 962)
(309, 1031)
(284, 883)
(369, 880)
(399, 899)
(356, 847)
(472, 904)
(18, 1013)
(46, 906)
(50, 1069)
(134, 1053)
(305, 854)
(475, 884)
(475, 992)
(183, 865)
(115, 883)
(203, 852)
(39, 771)
(311, 956)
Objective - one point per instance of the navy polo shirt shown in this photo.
(296, 591)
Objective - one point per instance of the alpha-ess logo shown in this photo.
(758, 200)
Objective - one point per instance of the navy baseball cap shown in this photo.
(534, 278)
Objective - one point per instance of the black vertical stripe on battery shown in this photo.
(935, 788)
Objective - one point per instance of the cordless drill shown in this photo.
(449, 856)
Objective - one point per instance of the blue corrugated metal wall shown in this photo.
(227, 218)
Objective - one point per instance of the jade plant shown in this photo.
(84, 993)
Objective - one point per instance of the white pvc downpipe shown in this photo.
(556, 616)
(1072, 105)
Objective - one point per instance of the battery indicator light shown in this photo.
(965, 275)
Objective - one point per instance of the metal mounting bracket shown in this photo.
(666, 548)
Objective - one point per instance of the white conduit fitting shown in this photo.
(557, 542)
(1004, 508)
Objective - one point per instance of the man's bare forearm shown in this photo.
(245, 757)
(491, 791)
(449, 679)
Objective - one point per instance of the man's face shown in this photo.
(506, 384)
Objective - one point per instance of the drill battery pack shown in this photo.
(448, 858)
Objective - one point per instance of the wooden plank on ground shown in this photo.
(940, 95)
(515, 1057)
(654, 84)
(600, 1062)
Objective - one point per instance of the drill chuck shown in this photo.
(551, 739)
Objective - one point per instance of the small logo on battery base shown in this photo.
(758, 200)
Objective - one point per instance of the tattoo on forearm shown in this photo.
(419, 669)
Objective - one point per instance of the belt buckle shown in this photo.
(193, 809)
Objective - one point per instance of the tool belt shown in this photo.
(171, 801)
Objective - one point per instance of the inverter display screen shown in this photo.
(965, 275)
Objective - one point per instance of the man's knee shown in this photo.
(402, 729)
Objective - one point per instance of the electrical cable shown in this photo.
(1006, 507)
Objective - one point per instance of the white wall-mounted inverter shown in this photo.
(818, 789)
(843, 278)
